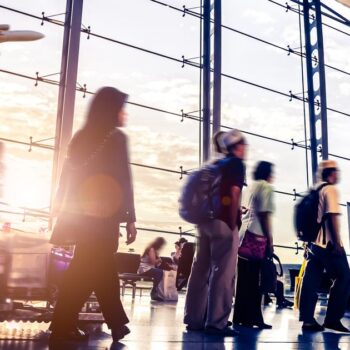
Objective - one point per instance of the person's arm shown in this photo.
(131, 231)
(235, 204)
(265, 222)
(153, 260)
(333, 225)
(332, 216)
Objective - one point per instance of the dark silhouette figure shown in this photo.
(95, 195)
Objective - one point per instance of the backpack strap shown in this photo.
(319, 188)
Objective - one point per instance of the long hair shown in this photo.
(101, 118)
(156, 245)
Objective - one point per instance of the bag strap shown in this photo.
(275, 257)
(98, 149)
(319, 188)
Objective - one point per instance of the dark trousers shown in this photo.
(92, 269)
(279, 294)
(337, 267)
(157, 275)
(247, 308)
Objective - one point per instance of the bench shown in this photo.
(127, 266)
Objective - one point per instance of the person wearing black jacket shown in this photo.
(95, 195)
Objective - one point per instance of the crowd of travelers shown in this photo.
(235, 245)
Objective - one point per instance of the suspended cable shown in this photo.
(288, 8)
(196, 65)
(287, 50)
(180, 115)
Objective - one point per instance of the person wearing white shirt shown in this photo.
(326, 253)
(257, 220)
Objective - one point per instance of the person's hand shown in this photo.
(244, 210)
(131, 233)
(169, 267)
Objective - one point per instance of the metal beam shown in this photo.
(61, 92)
(348, 210)
(206, 81)
(335, 16)
(316, 80)
(67, 90)
(71, 81)
(217, 67)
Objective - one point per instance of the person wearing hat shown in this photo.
(326, 253)
(211, 283)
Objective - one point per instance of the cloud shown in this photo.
(259, 17)
(173, 94)
(267, 119)
(344, 89)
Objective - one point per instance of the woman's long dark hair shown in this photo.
(101, 118)
(156, 245)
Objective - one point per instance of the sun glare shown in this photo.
(31, 193)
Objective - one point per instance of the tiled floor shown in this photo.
(159, 326)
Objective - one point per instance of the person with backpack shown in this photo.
(211, 284)
(325, 252)
(256, 223)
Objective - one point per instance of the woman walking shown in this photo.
(247, 309)
(95, 195)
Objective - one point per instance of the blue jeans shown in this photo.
(157, 275)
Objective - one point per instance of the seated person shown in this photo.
(150, 265)
(281, 301)
(175, 256)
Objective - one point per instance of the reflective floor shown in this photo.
(159, 326)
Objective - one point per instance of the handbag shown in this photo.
(166, 289)
(269, 274)
(253, 246)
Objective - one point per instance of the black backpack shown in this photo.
(306, 214)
